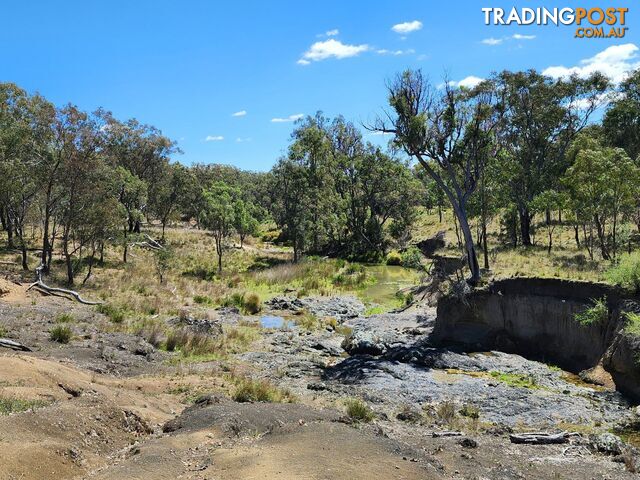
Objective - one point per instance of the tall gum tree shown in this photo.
(450, 132)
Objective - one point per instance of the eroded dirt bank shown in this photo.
(109, 405)
(537, 318)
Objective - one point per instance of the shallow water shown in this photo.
(390, 279)
(275, 321)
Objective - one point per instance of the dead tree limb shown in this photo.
(58, 292)
(541, 438)
(5, 342)
(446, 433)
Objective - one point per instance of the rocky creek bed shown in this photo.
(417, 386)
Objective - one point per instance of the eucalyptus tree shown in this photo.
(167, 193)
(290, 204)
(83, 186)
(603, 183)
(450, 132)
(541, 118)
(218, 215)
(621, 121)
(25, 129)
(140, 149)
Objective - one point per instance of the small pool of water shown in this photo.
(390, 279)
(275, 321)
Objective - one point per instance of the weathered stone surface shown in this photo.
(607, 443)
(198, 325)
(340, 308)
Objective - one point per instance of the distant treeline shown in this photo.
(515, 146)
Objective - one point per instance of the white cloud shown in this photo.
(243, 139)
(467, 82)
(332, 33)
(518, 36)
(616, 62)
(492, 41)
(379, 133)
(407, 27)
(241, 113)
(331, 49)
(497, 41)
(214, 138)
(384, 51)
(290, 118)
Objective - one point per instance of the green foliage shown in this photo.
(248, 303)
(163, 258)
(60, 334)
(358, 411)
(632, 325)
(394, 258)
(203, 300)
(351, 275)
(598, 313)
(470, 411)
(412, 258)
(15, 405)
(627, 272)
(252, 303)
(250, 390)
(115, 314)
(65, 318)
(515, 379)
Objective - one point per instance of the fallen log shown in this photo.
(61, 292)
(541, 438)
(57, 292)
(446, 433)
(5, 342)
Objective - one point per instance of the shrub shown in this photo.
(632, 325)
(307, 321)
(446, 411)
(233, 300)
(412, 258)
(394, 258)
(203, 300)
(65, 318)
(60, 334)
(189, 343)
(598, 313)
(358, 411)
(115, 314)
(470, 411)
(252, 304)
(249, 390)
(627, 272)
(13, 405)
(270, 236)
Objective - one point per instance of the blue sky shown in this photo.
(187, 67)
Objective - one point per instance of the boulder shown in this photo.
(364, 343)
(607, 443)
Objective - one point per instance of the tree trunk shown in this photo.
(484, 245)
(469, 246)
(525, 226)
(23, 250)
(602, 238)
(576, 235)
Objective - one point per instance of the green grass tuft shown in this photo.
(358, 411)
(60, 334)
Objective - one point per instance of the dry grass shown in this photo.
(564, 261)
